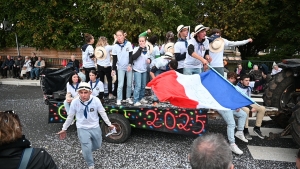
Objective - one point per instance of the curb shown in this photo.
(17, 82)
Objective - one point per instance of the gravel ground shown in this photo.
(144, 149)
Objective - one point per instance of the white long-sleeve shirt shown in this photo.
(217, 58)
(92, 120)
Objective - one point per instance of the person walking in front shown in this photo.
(122, 52)
(86, 109)
(88, 55)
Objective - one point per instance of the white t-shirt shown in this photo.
(106, 61)
(122, 54)
(92, 120)
(155, 52)
(87, 62)
(160, 63)
(96, 87)
(191, 62)
(71, 88)
(181, 48)
(162, 49)
(140, 64)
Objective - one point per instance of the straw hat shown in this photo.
(100, 53)
(199, 28)
(217, 45)
(168, 55)
(84, 86)
(149, 47)
(169, 47)
(180, 28)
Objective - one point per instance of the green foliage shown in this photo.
(58, 24)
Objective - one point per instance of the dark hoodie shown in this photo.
(11, 153)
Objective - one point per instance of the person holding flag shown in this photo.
(197, 56)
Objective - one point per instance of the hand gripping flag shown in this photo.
(204, 90)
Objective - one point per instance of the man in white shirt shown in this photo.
(216, 49)
(86, 108)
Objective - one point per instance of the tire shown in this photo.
(275, 95)
(295, 126)
(123, 129)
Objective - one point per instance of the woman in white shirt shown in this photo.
(72, 92)
(104, 66)
(96, 85)
(88, 56)
(26, 68)
(140, 60)
(122, 52)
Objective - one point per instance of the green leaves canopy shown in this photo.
(58, 24)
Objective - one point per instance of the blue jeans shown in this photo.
(228, 116)
(191, 71)
(67, 106)
(140, 84)
(220, 70)
(121, 75)
(90, 140)
(35, 72)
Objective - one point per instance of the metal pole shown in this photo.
(18, 50)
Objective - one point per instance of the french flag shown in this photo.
(205, 90)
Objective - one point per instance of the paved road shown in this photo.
(144, 149)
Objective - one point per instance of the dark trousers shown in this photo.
(87, 72)
(180, 70)
(17, 71)
(105, 71)
(4, 71)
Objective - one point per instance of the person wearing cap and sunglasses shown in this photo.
(86, 108)
(180, 47)
(15, 149)
(197, 57)
(216, 49)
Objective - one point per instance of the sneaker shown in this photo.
(258, 133)
(128, 100)
(91, 167)
(144, 101)
(137, 104)
(241, 136)
(234, 148)
(118, 102)
(248, 136)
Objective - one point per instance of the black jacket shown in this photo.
(8, 63)
(11, 153)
